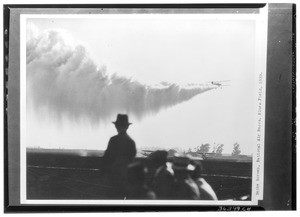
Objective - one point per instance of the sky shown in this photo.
(157, 68)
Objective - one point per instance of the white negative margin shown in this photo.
(260, 98)
(23, 123)
(260, 57)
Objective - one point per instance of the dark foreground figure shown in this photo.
(161, 175)
(120, 152)
(205, 190)
(185, 187)
(178, 177)
(136, 188)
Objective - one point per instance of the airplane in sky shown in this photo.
(220, 83)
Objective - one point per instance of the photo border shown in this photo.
(186, 6)
(260, 70)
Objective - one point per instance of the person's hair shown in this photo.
(197, 173)
(158, 158)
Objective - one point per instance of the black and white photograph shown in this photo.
(143, 107)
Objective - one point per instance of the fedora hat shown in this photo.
(182, 163)
(122, 119)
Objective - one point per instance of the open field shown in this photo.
(65, 175)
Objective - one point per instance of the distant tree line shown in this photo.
(216, 149)
(236, 149)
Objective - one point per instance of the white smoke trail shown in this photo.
(64, 80)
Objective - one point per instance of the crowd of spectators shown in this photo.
(158, 177)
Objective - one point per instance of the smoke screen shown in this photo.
(66, 83)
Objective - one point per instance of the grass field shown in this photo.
(62, 175)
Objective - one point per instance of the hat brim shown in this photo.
(190, 167)
(119, 123)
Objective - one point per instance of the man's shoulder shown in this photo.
(114, 137)
(129, 138)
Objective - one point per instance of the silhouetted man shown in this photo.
(120, 152)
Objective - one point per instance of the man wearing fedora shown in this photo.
(120, 152)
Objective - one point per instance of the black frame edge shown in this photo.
(183, 5)
(294, 104)
(36, 209)
(6, 16)
(119, 209)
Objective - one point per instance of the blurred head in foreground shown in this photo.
(182, 166)
(136, 187)
(158, 158)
